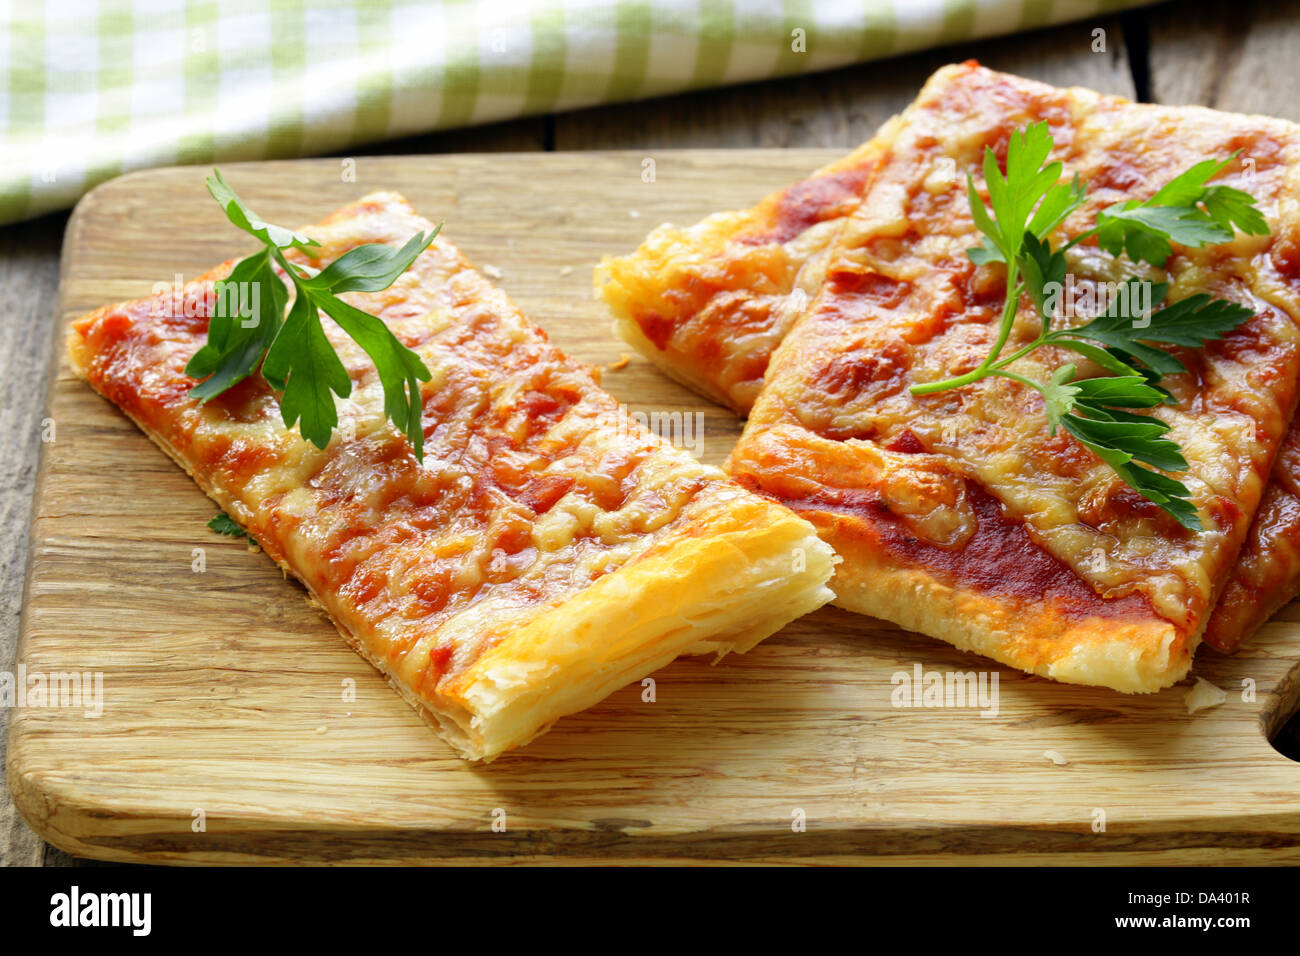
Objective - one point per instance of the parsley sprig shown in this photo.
(222, 523)
(248, 327)
(1025, 205)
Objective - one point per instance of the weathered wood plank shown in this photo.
(29, 275)
(1231, 56)
(843, 107)
(525, 135)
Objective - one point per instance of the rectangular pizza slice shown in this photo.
(547, 551)
(958, 513)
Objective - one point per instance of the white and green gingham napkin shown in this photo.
(89, 89)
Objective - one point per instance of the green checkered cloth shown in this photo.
(89, 90)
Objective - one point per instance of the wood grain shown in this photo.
(29, 274)
(1231, 56)
(843, 107)
(223, 690)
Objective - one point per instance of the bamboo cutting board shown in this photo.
(236, 726)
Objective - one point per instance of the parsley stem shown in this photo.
(927, 388)
(1021, 352)
(294, 275)
(1009, 309)
(983, 372)
(1017, 378)
(1080, 238)
(986, 368)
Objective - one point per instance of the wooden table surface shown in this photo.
(1236, 56)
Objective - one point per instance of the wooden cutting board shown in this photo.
(236, 726)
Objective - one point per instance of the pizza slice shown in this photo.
(958, 513)
(708, 304)
(1267, 573)
(547, 551)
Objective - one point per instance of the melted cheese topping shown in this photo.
(903, 304)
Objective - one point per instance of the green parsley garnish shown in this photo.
(1025, 205)
(222, 523)
(248, 327)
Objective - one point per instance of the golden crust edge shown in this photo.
(693, 595)
(630, 332)
(1130, 656)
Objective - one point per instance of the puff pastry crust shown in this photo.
(957, 514)
(548, 550)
